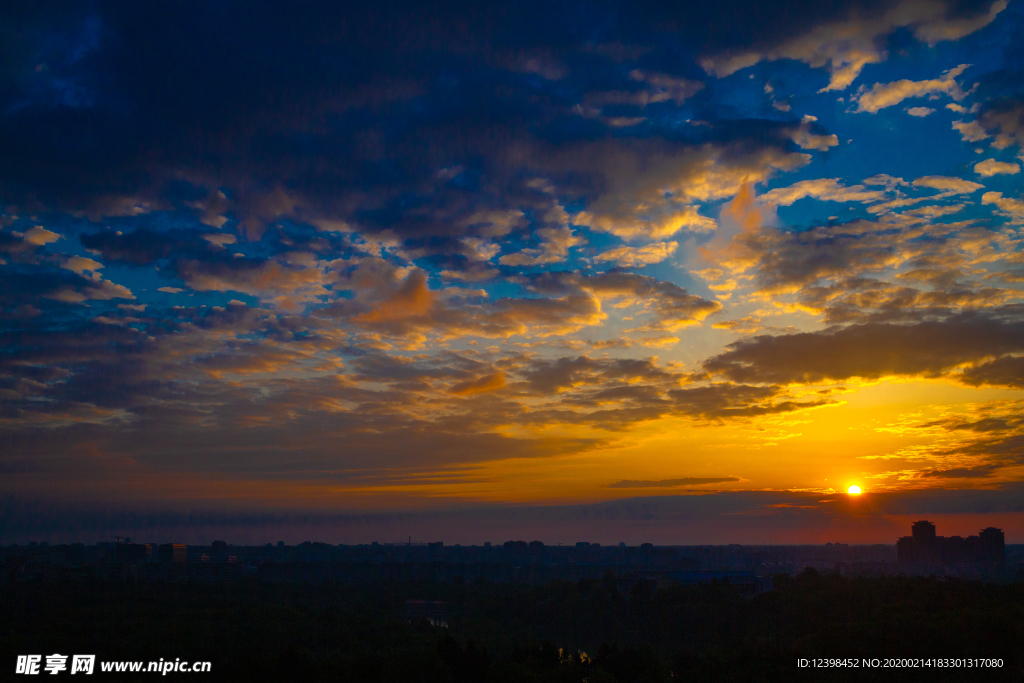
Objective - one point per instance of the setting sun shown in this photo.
(854, 490)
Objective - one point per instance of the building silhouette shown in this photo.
(175, 553)
(923, 550)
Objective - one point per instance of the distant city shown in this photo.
(749, 568)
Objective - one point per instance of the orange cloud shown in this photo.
(481, 385)
(743, 209)
(412, 300)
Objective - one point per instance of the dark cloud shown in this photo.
(872, 350)
(670, 483)
(1007, 371)
(553, 376)
(349, 113)
(961, 472)
(142, 247)
(1003, 121)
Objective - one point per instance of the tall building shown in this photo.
(923, 531)
(923, 549)
(173, 553)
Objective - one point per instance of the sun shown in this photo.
(854, 490)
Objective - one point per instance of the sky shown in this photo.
(576, 270)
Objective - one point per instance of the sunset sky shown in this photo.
(577, 270)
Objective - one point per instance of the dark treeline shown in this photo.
(559, 632)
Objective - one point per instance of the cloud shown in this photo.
(413, 299)
(142, 247)
(954, 28)
(1001, 119)
(747, 325)
(650, 191)
(670, 483)
(935, 211)
(970, 131)
(827, 189)
(99, 290)
(1009, 207)
(212, 209)
(554, 248)
(672, 306)
(78, 264)
(947, 184)
(899, 268)
(991, 167)
(806, 137)
(47, 283)
(667, 87)
(554, 376)
(885, 179)
(1004, 121)
(870, 351)
(846, 45)
(725, 400)
(248, 359)
(628, 227)
(412, 311)
(39, 236)
(286, 285)
(1002, 372)
(472, 274)
(660, 88)
(968, 442)
(920, 111)
(220, 239)
(882, 95)
(786, 262)
(633, 257)
(480, 385)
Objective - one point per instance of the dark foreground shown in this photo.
(561, 632)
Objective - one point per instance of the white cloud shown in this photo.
(478, 249)
(920, 111)
(631, 227)
(632, 257)
(470, 275)
(935, 210)
(970, 131)
(847, 46)
(890, 182)
(1012, 208)
(827, 189)
(664, 87)
(991, 167)
(40, 236)
(554, 247)
(219, 239)
(882, 95)
(948, 184)
(79, 264)
(496, 223)
(806, 139)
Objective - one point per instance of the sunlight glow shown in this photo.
(854, 490)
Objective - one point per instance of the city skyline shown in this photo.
(634, 274)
